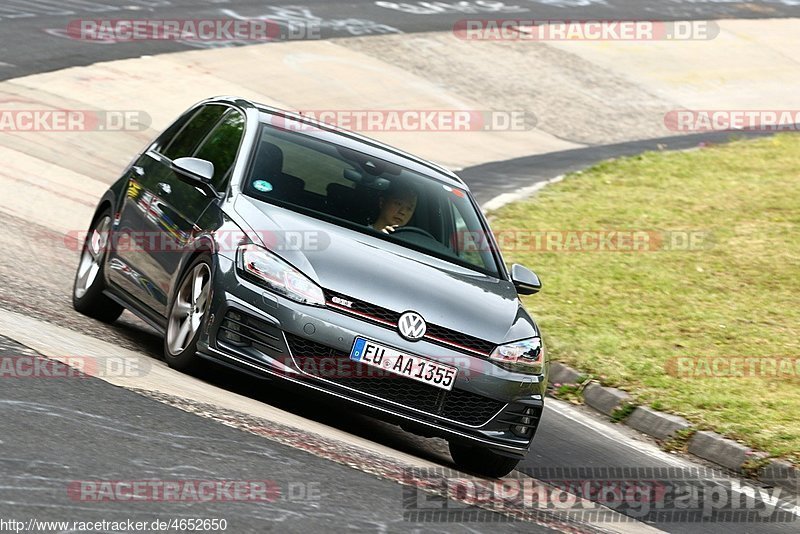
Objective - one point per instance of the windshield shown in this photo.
(370, 195)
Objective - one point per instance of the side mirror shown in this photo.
(195, 169)
(525, 281)
(197, 172)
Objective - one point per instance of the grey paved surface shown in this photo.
(34, 32)
(58, 432)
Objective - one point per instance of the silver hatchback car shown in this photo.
(308, 254)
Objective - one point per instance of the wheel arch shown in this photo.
(201, 247)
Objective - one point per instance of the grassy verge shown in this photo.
(670, 323)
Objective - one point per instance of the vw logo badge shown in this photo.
(412, 326)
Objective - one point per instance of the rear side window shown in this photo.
(221, 146)
(189, 137)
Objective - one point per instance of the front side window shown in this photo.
(370, 195)
(221, 145)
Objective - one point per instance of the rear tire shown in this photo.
(187, 316)
(482, 461)
(87, 291)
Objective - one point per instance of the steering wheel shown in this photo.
(414, 230)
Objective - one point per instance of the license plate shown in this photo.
(403, 364)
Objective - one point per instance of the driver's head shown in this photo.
(397, 205)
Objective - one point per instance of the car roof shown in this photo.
(352, 140)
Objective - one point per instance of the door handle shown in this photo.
(164, 188)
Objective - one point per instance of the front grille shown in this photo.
(457, 405)
(364, 308)
(457, 338)
(435, 334)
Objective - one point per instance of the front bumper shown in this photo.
(258, 331)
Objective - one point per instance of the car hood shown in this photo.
(389, 275)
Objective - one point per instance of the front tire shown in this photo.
(87, 291)
(187, 314)
(481, 461)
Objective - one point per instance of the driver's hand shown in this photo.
(389, 229)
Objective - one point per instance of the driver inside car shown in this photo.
(397, 207)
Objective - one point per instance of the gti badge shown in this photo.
(411, 326)
(342, 302)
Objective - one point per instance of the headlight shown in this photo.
(263, 267)
(526, 356)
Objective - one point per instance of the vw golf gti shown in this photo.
(308, 254)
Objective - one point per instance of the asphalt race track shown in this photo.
(35, 36)
(57, 431)
(148, 439)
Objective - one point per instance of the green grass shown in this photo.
(623, 316)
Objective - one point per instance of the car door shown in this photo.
(180, 204)
(167, 206)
